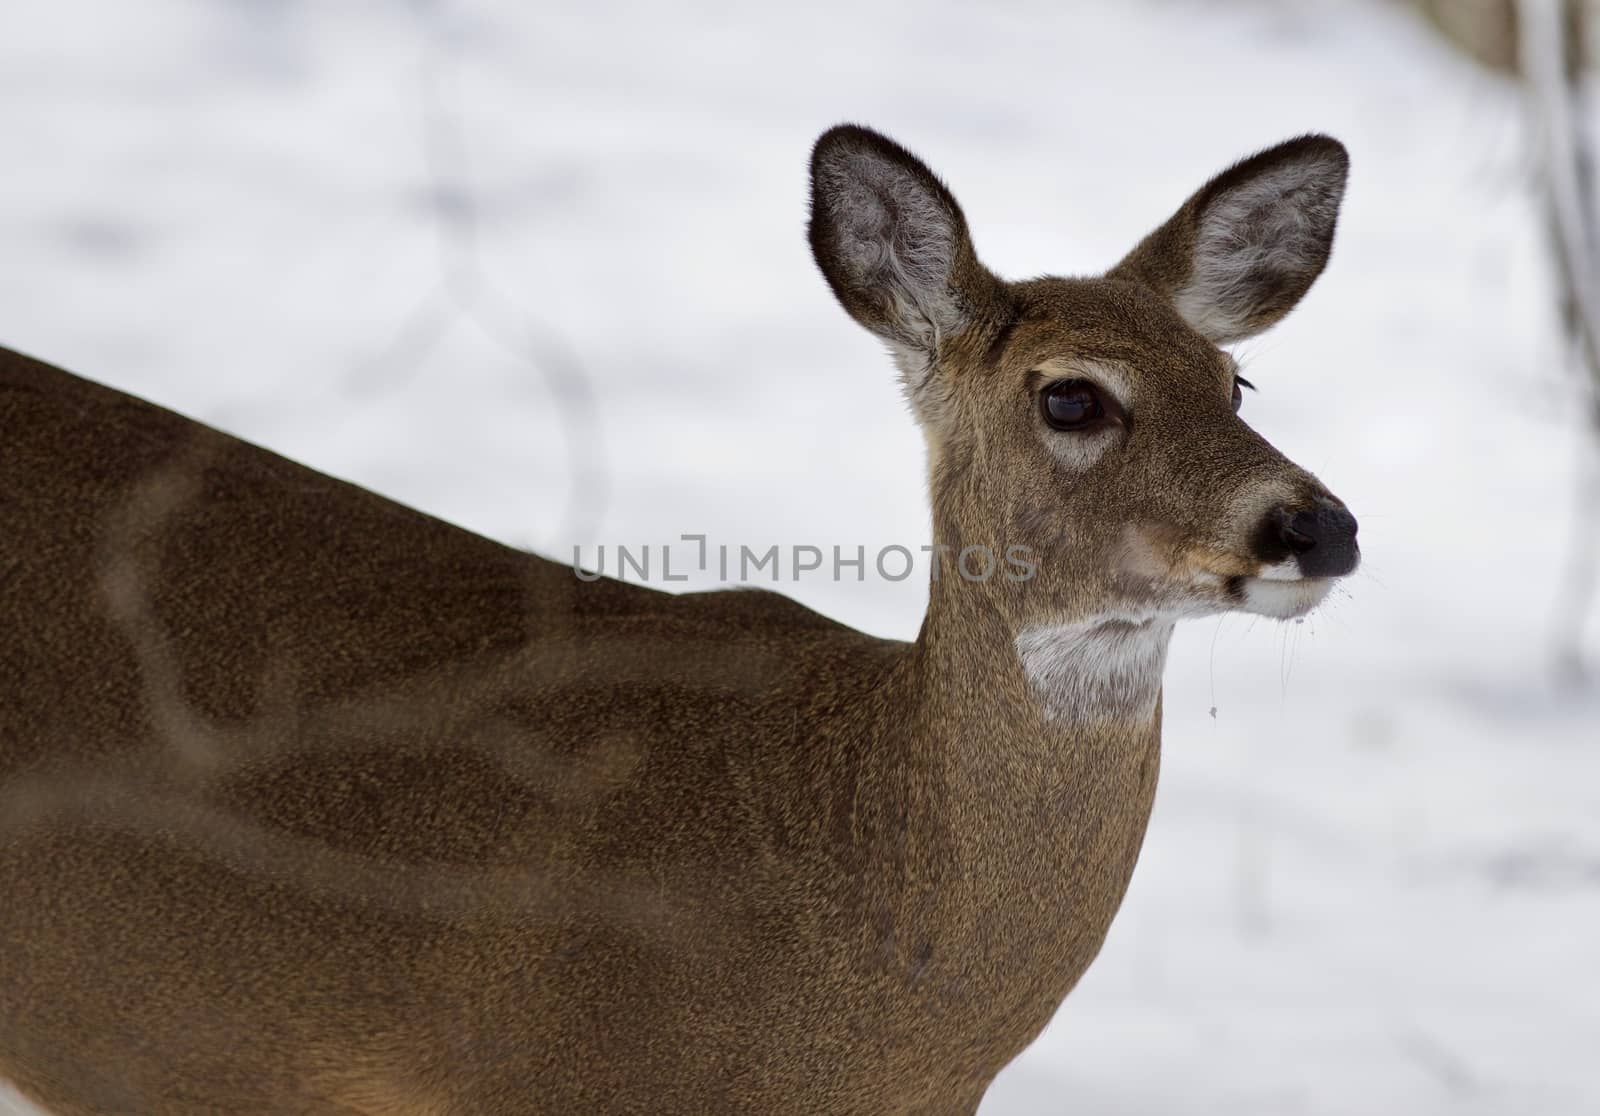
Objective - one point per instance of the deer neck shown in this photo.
(1046, 684)
(1043, 729)
(1023, 793)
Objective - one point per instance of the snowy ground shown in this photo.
(1373, 879)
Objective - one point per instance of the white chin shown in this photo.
(1284, 599)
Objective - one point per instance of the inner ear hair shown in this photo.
(1245, 248)
(893, 245)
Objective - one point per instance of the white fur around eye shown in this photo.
(1079, 451)
(1266, 234)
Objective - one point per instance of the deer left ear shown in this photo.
(1247, 246)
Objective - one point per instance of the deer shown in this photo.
(313, 803)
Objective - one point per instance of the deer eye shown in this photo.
(1072, 405)
(1239, 382)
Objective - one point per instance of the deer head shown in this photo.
(1096, 421)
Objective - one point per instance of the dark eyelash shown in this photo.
(1242, 382)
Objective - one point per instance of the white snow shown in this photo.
(1373, 879)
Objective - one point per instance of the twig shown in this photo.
(468, 287)
(1551, 56)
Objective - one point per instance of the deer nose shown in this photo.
(1322, 539)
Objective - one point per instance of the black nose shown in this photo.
(1322, 539)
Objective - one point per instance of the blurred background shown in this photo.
(540, 270)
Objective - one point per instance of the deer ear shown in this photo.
(1243, 250)
(892, 243)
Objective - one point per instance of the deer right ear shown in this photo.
(1243, 250)
(893, 244)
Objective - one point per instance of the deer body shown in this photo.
(311, 803)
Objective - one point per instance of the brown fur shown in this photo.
(310, 803)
